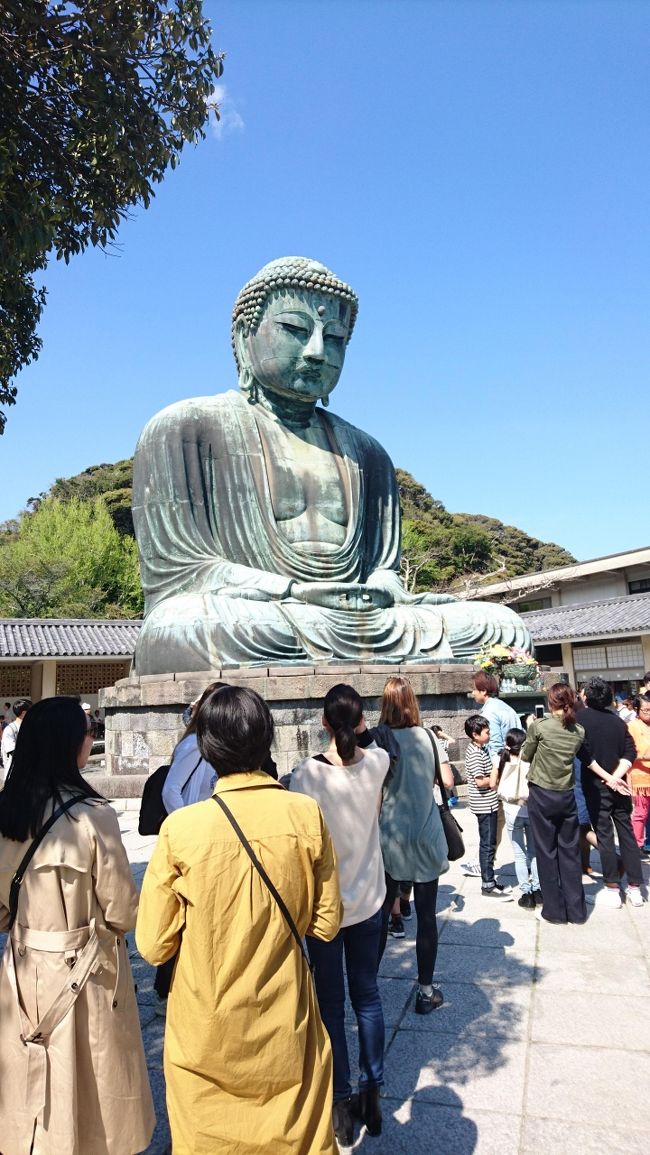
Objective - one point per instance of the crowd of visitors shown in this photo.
(262, 898)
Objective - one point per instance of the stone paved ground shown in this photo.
(543, 1044)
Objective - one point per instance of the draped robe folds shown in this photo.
(206, 530)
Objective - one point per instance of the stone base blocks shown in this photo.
(143, 713)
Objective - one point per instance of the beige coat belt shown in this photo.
(36, 1037)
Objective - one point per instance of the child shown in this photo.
(513, 792)
(444, 740)
(483, 802)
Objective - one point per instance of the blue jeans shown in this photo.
(361, 945)
(523, 848)
(487, 847)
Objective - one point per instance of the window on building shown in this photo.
(533, 604)
(610, 656)
(625, 654)
(88, 677)
(590, 657)
(641, 586)
(15, 681)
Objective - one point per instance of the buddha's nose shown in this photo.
(314, 349)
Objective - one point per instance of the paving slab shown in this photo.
(541, 1036)
(419, 1128)
(553, 1138)
(620, 1020)
(483, 1072)
(497, 1013)
(607, 931)
(592, 972)
(586, 1085)
(495, 966)
(490, 930)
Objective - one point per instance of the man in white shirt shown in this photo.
(10, 735)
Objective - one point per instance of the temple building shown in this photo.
(40, 657)
(592, 617)
(589, 618)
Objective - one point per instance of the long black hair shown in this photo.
(44, 766)
(343, 710)
(514, 741)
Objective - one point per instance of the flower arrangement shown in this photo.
(507, 662)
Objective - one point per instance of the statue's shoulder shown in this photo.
(364, 441)
(192, 414)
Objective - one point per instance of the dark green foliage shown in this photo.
(112, 482)
(439, 548)
(98, 99)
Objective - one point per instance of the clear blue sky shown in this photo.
(479, 172)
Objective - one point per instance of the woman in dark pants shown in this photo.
(412, 837)
(551, 745)
(346, 783)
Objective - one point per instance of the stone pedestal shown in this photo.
(143, 714)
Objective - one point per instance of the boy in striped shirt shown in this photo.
(483, 802)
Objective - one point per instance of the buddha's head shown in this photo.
(291, 324)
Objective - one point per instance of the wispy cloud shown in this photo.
(230, 120)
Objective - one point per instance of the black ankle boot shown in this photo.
(342, 1122)
(370, 1110)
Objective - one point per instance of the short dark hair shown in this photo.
(598, 693)
(476, 724)
(487, 683)
(21, 706)
(234, 730)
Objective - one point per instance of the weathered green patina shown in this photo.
(268, 528)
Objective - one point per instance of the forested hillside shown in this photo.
(72, 553)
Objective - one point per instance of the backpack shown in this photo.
(152, 808)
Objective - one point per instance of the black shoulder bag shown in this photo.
(453, 830)
(258, 866)
(14, 889)
(152, 807)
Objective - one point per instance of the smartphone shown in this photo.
(539, 711)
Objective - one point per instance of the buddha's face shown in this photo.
(299, 346)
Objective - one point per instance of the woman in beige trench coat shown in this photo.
(73, 1078)
(248, 1063)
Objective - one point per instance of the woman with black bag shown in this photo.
(413, 840)
(233, 885)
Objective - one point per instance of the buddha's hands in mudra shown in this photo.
(341, 596)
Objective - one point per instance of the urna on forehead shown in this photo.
(299, 273)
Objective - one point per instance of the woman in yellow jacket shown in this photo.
(247, 1061)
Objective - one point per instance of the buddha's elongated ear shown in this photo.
(239, 343)
(247, 382)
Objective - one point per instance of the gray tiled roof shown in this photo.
(622, 615)
(67, 638)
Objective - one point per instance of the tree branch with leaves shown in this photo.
(99, 98)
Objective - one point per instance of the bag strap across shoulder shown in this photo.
(193, 772)
(438, 775)
(258, 866)
(19, 874)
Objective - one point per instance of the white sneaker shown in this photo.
(471, 868)
(633, 896)
(608, 898)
